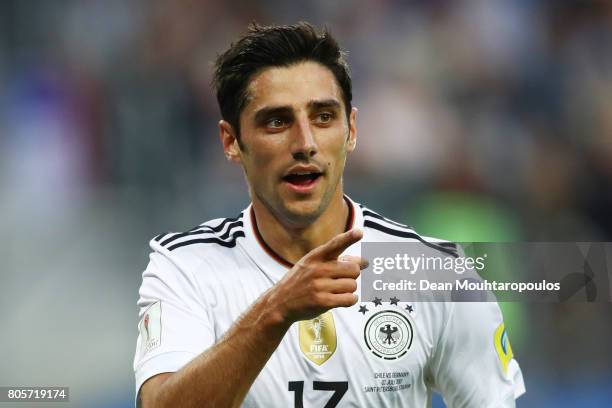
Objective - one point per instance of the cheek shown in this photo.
(263, 163)
(260, 153)
(268, 148)
(336, 152)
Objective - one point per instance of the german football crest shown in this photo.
(388, 334)
(318, 338)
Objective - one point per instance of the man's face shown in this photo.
(295, 137)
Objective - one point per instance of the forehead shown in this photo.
(295, 86)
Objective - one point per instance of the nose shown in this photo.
(304, 145)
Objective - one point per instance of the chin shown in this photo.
(303, 212)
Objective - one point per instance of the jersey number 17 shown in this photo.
(338, 387)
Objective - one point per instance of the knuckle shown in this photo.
(329, 302)
(309, 269)
(325, 300)
(322, 269)
(352, 270)
(316, 285)
(302, 264)
(317, 298)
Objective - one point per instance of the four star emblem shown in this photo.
(378, 302)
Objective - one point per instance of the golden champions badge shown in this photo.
(318, 338)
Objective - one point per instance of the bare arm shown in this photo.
(222, 375)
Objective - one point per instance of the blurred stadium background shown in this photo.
(479, 120)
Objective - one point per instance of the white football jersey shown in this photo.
(378, 353)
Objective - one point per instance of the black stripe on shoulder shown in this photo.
(218, 227)
(369, 213)
(447, 245)
(160, 236)
(206, 229)
(212, 240)
(408, 234)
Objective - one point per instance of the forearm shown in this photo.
(221, 376)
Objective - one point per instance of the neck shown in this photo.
(291, 243)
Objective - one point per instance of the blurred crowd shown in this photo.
(506, 100)
(478, 120)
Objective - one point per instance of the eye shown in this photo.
(324, 117)
(275, 123)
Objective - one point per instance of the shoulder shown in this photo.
(379, 228)
(186, 264)
(216, 238)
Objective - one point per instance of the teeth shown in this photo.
(303, 173)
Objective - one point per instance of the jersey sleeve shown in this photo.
(174, 323)
(473, 364)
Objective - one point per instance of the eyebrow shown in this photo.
(326, 103)
(264, 113)
(268, 111)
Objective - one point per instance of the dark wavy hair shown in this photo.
(274, 46)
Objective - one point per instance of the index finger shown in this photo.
(332, 249)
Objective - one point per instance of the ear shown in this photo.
(352, 137)
(229, 141)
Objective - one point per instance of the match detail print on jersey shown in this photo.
(318, 338)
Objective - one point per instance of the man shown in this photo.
(261, 310)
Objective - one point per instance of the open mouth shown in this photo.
(302, 179)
